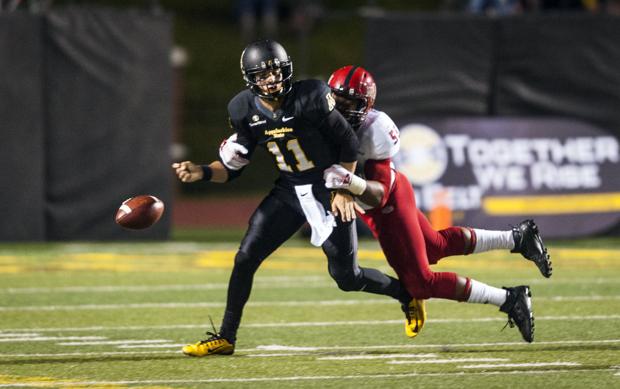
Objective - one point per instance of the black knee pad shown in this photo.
(244, 262)
(346, 281)
(348, 284)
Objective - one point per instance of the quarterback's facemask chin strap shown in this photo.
(286, 88)
(269, 96)
(287, 81)
(354, 110)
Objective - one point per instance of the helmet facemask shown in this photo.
(261, 57)
(354, 109)
(254, 79)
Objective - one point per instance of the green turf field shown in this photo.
(116, 315)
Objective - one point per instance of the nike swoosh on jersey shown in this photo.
(286, 119)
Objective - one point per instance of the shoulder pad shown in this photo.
(380, 138)
(315, 95)
(239, 105)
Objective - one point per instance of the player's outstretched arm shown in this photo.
(343, 203)
(368, 191)
(188, 171)
(373, 195)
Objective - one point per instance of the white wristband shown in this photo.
(357, 186)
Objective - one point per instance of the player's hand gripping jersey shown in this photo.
(295, 135)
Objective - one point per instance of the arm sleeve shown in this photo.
(380, 171)
(232, 174)
(333, 126)
(343, 135)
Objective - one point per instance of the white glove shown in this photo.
(231, 151)
(337, 177)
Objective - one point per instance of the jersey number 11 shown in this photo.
(293, 145)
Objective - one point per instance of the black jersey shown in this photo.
(304, 137)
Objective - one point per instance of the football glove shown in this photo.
(337, 177)
(231, 153)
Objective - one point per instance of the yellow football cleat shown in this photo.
(214, 345)
(415, 315)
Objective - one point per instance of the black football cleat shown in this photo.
(518, 306)
(529, 243)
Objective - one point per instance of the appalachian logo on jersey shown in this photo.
(256, 121)
(278, 132)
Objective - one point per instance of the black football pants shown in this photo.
(275, 220)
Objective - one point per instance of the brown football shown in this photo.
(139, 212)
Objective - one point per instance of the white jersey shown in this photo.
(378, 137)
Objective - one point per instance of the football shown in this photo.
(139, 212)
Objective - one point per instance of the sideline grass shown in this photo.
(115, 315)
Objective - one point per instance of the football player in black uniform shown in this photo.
(297, 124)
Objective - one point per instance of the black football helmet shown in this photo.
(264, 55)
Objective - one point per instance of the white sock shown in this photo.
(485, 294)
(493, 240)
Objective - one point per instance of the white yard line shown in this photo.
(175, 305)
(262, 283)
(440, 346)
(113, 328)
(91, 354)
(434, 321)
(161, 288)
(104, 342)
(271, 355)
(50, 338)
(307, 350)
(298, 378)
(275, 282)
(381, 356)
(449, 360)
(304, 324)
(499, 365)
(163, 345)
(577, 298)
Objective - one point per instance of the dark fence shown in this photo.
(86, 119)
(506, 118)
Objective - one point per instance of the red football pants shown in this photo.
(410, 244)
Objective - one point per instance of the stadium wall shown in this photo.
(506, 118)
(87, 121)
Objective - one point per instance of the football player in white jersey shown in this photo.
(408, 241)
